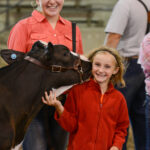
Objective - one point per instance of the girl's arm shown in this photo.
(51, 100)
(122, 125)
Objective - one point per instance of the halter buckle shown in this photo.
(56, 68)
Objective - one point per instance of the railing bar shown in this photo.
(11, 6)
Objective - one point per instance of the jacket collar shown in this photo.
(40, 17)
(93, 83)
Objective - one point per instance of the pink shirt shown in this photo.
(144, 59)
(36, 27)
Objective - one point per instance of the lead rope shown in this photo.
(74, 37)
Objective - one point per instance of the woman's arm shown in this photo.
(79, 46)
(18, 38)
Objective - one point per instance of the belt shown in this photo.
(131, 57)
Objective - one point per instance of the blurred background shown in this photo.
(90, 15)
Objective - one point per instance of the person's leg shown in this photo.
(59, 136)
(34, 138)
(147, 115)
(134, 78)
(56, 137)
(137, 116)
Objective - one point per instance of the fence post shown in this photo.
(7, 13)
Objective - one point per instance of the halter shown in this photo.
(56, 68)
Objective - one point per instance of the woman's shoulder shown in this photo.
(30, 19)
(22, 23)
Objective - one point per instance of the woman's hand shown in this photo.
(114, 148)
(51, 100)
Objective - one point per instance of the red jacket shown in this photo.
(95, 122)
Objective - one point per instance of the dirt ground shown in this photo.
(130, 144)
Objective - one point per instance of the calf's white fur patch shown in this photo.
(81, 56)
(61, 89)
(17, 147)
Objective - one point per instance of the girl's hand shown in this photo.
(114, 148)
(52, 101)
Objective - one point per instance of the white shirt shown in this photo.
(129, 18)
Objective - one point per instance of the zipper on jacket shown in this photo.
(101, 100)
(101, 103)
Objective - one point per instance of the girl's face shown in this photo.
(103, 67)
(50, 8)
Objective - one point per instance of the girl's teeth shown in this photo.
(52, 6)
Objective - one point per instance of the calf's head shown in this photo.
(57, 59)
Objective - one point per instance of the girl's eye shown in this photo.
(97, 64)
(107, 66)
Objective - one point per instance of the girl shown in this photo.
(45, 24)
(95, 113)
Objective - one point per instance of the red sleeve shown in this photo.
(17, 39)
(68, 119)
(122, 125)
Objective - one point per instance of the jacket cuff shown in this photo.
(119, 145)
(56, 116)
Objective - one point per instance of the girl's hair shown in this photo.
(116, 79)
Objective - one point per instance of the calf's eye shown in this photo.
(66, 54)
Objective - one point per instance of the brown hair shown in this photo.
(116, 79)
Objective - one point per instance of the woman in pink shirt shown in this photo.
(144, 59)
(45, 24)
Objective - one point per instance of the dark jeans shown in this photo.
(35, 138)
(134, 93)
(44, 133)
(147, 114)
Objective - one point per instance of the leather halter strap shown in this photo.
(56, 68)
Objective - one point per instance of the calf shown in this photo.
(23, 82)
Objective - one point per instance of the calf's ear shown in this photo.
(50, 47)
(11, 56)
